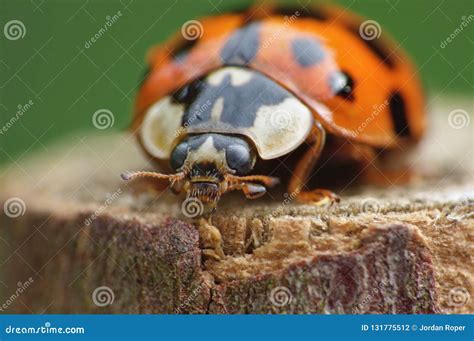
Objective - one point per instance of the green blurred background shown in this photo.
(67, 82)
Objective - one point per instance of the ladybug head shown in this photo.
(209, 165)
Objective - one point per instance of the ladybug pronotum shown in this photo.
(260, 86)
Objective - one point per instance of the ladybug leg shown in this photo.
(268, 181)
(303, 170)
(251, 190)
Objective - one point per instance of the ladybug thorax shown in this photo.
(228, 102)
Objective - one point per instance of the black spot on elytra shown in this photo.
(181, 56)
(303, 12)
(398, 111)
(241, 103)
(188, 93)
(307, 51)
(242, 46)
(249, 15)
(342, 84)
(377, 47)
(181, 51)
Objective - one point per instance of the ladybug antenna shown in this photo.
(127, 176)
(268, 181)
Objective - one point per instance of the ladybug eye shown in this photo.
(179, 155)
(238, 158)
(343, 85)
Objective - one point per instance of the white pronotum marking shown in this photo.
(274, 140)
(238, 76)
(217, 109)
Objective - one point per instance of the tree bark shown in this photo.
(85, 242)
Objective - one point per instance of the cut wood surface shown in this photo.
(84, 241)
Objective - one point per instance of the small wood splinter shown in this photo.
(211, 239)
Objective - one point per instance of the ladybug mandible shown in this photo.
(255, 88)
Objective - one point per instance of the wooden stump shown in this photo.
(83, 241)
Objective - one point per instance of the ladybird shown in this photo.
(271, 86)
